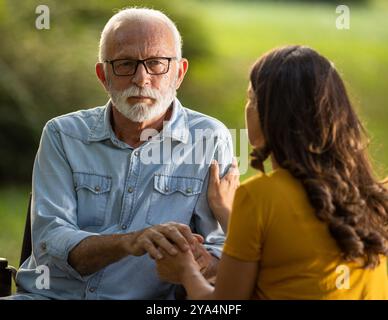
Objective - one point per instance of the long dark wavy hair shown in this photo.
(311, 129)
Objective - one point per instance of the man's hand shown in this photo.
(170, 237)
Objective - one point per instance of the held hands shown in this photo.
(175, 269)
(160, 239)
(221, 192)
(197, 260)
(171, 245)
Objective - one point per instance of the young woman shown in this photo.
(316, 227)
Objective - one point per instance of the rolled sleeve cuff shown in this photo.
(214, 242)
(58, 250)
(215, 250)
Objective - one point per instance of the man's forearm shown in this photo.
(96, 252)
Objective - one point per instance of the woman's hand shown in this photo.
(221, 192)
(175, 269)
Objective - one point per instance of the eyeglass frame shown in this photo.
(139, 61)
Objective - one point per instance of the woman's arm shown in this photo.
(236, 279)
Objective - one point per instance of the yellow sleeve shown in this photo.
(244, 236)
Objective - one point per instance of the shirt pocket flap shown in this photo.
(170, 184)
(95, 183)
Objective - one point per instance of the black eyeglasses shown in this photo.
(128, 67)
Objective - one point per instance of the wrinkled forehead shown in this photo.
(140, 39)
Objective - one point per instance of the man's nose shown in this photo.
(141, 78)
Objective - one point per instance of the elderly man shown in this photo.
(98, 203)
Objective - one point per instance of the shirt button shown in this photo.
(124, 226)
(130, 190)
(43, 246)
(92, 289)
(189, 190)
(136, 153)
(166, 189)
(97, 188)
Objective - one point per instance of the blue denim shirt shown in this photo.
(87, 182)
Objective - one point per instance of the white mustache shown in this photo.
(134, 91)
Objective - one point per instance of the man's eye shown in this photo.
(126, 64)
(154, 62)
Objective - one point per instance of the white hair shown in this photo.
(129, 14)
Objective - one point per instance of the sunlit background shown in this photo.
(45, 73)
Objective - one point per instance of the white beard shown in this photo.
(140, 112)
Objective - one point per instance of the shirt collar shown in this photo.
(177, 128)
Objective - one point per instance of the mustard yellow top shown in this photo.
(273, 223)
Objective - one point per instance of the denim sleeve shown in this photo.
(54, 205)
(203, 221)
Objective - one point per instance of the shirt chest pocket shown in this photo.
(92, 198)
(173, 199)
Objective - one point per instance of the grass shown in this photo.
(13, 209)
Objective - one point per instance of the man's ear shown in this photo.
(100, 72)
(182, 69)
